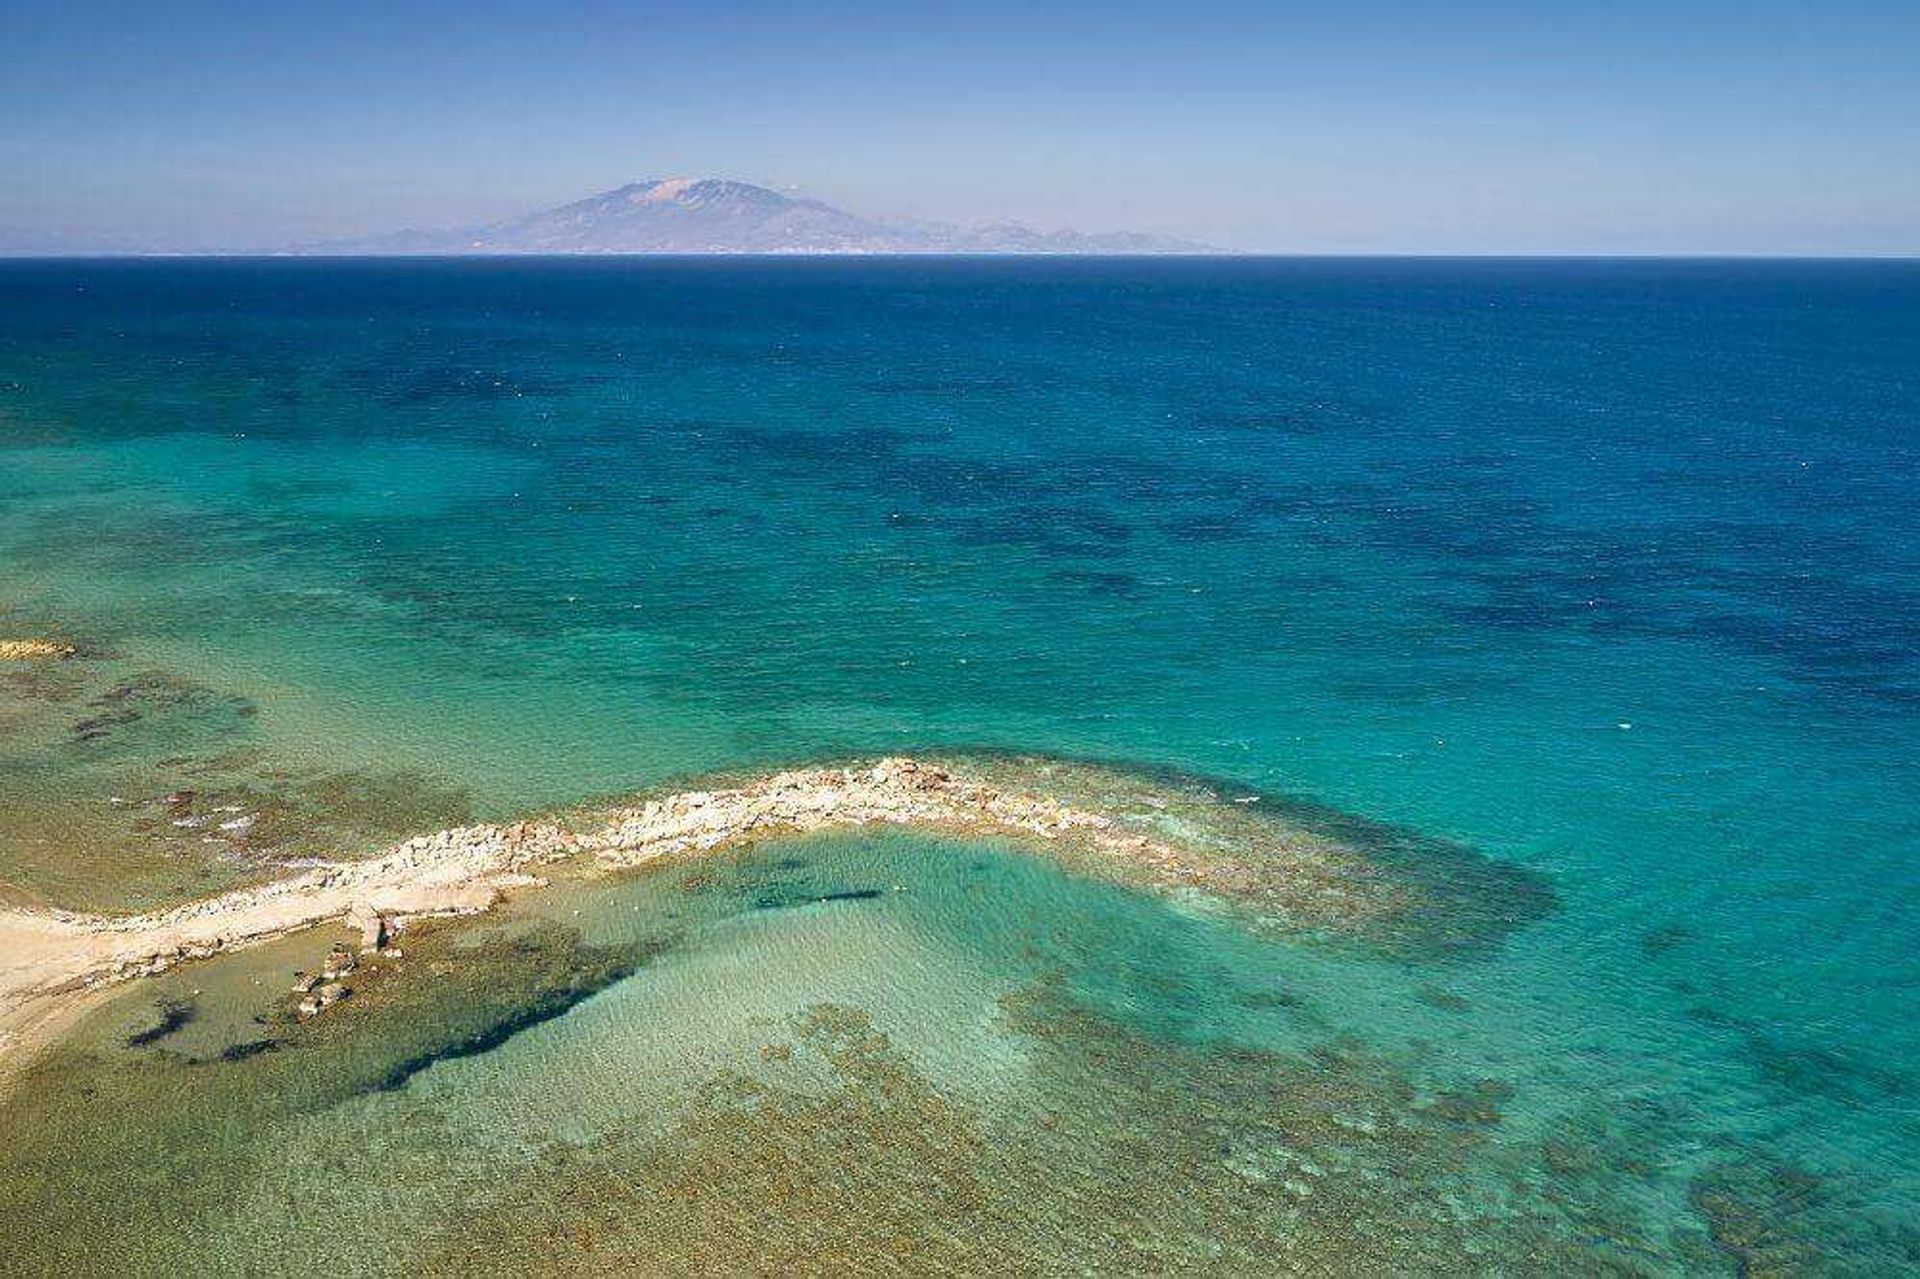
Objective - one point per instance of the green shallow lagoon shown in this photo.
(875, 1051)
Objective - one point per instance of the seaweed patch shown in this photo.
(173, 1015)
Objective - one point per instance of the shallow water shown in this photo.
(1601, 570)
(821, 1053)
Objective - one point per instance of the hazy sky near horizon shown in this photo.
(1636, 126)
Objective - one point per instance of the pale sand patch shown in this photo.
(26, 650)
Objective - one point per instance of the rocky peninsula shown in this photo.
(50, 960)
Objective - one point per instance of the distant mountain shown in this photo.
(715, 215)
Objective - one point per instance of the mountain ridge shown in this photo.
(724, 215)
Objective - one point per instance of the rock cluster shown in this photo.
(322, 998)
(158, 961)
(325, 988)
(339, 962)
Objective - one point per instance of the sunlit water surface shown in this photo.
(1603, 570)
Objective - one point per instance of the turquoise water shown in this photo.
(1605, 570)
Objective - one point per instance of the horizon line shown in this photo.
(908, 255)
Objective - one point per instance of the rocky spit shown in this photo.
(48, 959)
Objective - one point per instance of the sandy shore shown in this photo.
(51, 962)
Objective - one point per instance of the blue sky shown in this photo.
(1765, 127)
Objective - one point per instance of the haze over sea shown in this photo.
(1608, 571)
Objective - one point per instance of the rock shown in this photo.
(322, 999)
(339, 962)
(372, 925)
(24, 650)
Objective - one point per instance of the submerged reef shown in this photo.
(173, 1014)
(1287, 865)
(1274, 867)
(1771, 1216)
(168, 791)
(1073, 1133)
(1276, 870)
(155, 709)
(555, 973)
(203, 1139)
(176, 796)
(1117, 1152)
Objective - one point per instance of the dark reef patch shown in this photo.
(1771, 600)
(781, 901)
(547, 1006)
(765, 445)
(1456, 902)
(1770, 1216)
(1124, 1154)
(158, 710)
(505, 986)
(180, 1141)
(1808, 1070)
(1466, 901)
(1656, 942)
(1444, 1000)
(327, 813)
(1798, 1070)
(247, 1049)
(1752, 1213)
(173, 1015)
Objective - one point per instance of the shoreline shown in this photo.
(56, 964)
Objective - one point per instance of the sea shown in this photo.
(1605, 573)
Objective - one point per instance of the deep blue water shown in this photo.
(1608, 569)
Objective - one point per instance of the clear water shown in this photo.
(1607, 570)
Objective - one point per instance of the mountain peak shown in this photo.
(656, 190)
(722, 215)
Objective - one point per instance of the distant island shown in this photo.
(718, 215)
